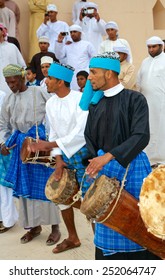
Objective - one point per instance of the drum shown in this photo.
(152, 202)
(63, 191)
(38, 157)
(119, 210)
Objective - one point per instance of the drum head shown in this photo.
(61, 192)
(152, 202)
(99, 198)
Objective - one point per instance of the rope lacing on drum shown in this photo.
(34, 160)
(37, 156)
(118, 197)
(78, 195)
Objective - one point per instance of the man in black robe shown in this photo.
(116, 133)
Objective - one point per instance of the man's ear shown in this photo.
(108, 74)
(61, 83)
(125, 56)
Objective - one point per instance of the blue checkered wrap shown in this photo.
(4, 165)
(75, 162)
(28, 180)
(105, 238)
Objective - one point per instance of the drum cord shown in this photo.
(33, 160)
(78, 195)
(119, 194)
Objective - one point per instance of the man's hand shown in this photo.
(41, 145)
(60, 38)
(97, 163)
(60, 164)
(82, 15)
(96, 15)
(46, 18)
(4, 150)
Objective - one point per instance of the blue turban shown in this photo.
(108, 61)
(61, 71)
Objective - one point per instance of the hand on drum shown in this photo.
(97, 163)
(41, 145)
(60, 164)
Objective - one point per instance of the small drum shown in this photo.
(63, 191)
(105, 203)
(39, 157)
(152, 202)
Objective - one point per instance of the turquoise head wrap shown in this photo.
(61, 71)
(108, 61)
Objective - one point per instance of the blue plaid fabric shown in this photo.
(75, 162)
(106, 239)
(28, 180)
(4, 165)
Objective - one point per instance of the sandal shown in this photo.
(28, 236)
(4, 229)
(53, 238)
(65, 245)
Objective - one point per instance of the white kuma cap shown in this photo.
(46, 59)
(52, 7)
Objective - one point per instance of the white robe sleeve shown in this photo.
(52, 137)
(60, 51)
(101, 27)
(75, 140)
(5, 128)
(43, 30)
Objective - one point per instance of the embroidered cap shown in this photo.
(61, 71)
(13, 70)
(109, 61)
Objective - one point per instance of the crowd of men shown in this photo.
(80, 100)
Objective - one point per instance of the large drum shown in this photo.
(152, 202)
(119, 210)
(39, 157)
(63, 191)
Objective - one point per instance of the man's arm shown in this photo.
(59, 49)
(5, 127)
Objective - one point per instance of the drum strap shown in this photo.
(35, 116)
(119, 194)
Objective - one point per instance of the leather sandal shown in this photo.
(28, 236)
(65, 245)
(53, 238)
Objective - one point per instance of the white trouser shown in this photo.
(8, 211)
